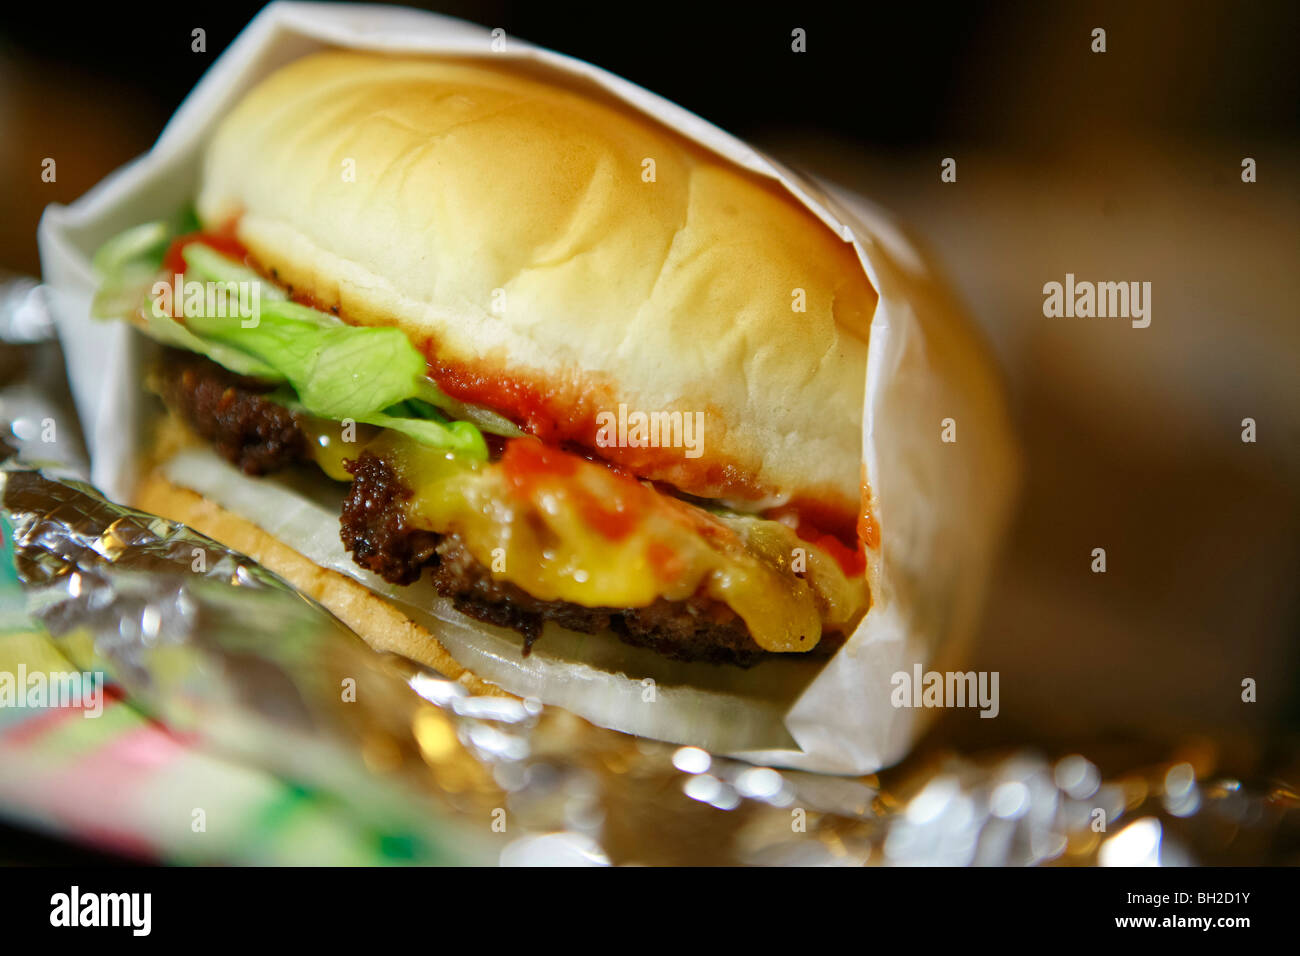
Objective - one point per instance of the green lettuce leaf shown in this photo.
(335, 371)
(127, 265)
(163, 328)
(140, 245)
(205, 264)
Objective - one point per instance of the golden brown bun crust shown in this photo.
(507, 226)
(375, 620)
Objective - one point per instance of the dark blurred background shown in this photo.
(96, 86)
(1117, 166)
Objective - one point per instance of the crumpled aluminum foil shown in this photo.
(226, 653)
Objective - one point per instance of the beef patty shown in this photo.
(260, 436)
(232, 412)
(376, 531)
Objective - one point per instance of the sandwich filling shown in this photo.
(515, 531)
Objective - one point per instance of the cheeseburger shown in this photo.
(498, 367)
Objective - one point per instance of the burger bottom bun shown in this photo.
(372, 618)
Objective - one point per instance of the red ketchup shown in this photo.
(528, 464)
(852, 560)
(222, 241)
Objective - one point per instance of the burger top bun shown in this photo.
(557, 255)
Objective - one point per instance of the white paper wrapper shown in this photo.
(940, 506)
